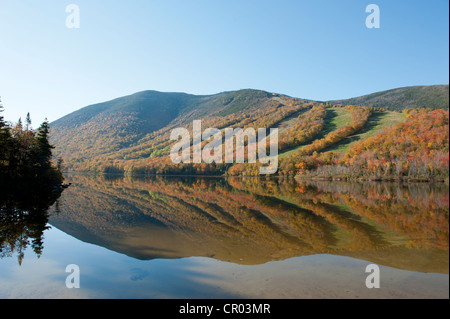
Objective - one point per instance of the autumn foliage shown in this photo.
(417, 148)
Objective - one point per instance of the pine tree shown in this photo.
(19, 123)
(26, 156)
(5, 142)
(2, 120)
(43, 147)
(1, 111)
(28, 122)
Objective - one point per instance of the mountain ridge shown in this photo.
(133, 132)
(426, 96)
(346, 101)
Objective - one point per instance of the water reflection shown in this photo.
(24, 218)
(253, 221)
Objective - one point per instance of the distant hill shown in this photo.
(434, 97)
(128, 122)
(131, 134)
(157, 109)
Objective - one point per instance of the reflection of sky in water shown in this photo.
(107, 274)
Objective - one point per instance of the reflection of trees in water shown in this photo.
(324, 215)
(19, 229)
(269, 215)
(417, 211)
(23, 220)
(261, 219)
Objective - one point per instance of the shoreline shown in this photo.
(389, 179)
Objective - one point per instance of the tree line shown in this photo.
(26, 155)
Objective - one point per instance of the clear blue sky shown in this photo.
(315, 49)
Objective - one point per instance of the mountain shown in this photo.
(131, 134)
(138, 122)
(157, 109)
(434, 97)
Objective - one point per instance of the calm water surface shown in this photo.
(228, 238)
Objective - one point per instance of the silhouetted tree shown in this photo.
(5, 141)
(43, 148)
(28, 122)
(26, 155)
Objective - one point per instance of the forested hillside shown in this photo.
(131, 135)
(417, 148)
(434, 97)
(129, 131)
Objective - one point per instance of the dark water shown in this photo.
(229, 238)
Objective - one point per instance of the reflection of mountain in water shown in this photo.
(253, 221)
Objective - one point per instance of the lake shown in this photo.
(185, 237)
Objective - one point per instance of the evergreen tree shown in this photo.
(19, 124)
(3, 124)
(1, 111)
(5, 142)
(26, 156)
(43, 148)
(28, 122)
